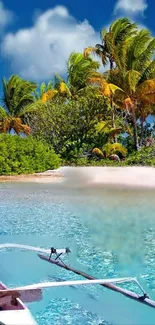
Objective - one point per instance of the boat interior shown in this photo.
(10, 302)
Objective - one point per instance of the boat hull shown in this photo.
(17, 314)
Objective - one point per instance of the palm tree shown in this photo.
(132, 96)
(62, 87)
(143, 112)
(132, 83)
(113, 42)
(79, 69)
(120, 32)
(135, 96)
(17, 94)
(45, 92)
(43, 88)
(135, 76)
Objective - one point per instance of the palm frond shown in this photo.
(149, 72)
(42, 89)
(78, 70)
(146, 91)
(88, 51)
(131, 79)
(14, 123)
(141, 62)
(122, 29)
(64, 89)
(114, 148)
(3, 113)
(103, 32)
(32, 108)
(107, 89)
(48, 95)
(14, 90)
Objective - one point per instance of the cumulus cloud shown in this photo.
(43, 49)
(131, 6)
(6, 16)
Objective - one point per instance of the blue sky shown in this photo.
(38, 36)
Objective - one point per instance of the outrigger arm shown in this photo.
(107, 283)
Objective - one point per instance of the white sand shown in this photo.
(143, 177)
(119, 176)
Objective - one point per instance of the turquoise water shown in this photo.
(111, 234)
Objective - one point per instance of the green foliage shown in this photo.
(97, 152)
(113, 40)
(107, 112)
(38, 93)
(25, 155)
(144, 157)
(70, 125)
(17, 93)
(79, 69)
(93, 162)
(114, 148)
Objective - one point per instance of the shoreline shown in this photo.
(37, 177)
(129, 177)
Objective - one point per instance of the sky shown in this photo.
(38, 36)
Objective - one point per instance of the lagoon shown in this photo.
(111, 232)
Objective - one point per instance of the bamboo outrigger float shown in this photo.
(110, 284)
(12, 307)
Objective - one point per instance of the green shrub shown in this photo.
(25, 155)
(98, 153)
(93, 162)
(114, 148)
(144, 157)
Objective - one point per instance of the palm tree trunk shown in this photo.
(135, 134)
(112, 103)
(111, 64)
(113, 117)
(142, 132)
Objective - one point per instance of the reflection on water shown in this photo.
(110, 231)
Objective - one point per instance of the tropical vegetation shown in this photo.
(25, 155)
(88, 116)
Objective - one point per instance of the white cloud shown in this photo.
(131, 6)
(43, 49)
(6, 16)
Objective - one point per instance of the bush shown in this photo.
(98, 153)
(93, 162)
(115, 148)
(144, 157)
(25, 155)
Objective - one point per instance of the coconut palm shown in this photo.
(62, 86)
(45, 92)
(131, 84)
(78, 70)
(111, 49)
(112, 40)
(143, 112)
(135, 76)
(43, 88)
(133, 95)
(17, 94)
(138, 55)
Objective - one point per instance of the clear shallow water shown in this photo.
(110, 232)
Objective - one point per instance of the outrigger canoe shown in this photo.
(12, 300)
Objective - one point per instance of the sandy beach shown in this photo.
(46, 177)
(142, 177)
